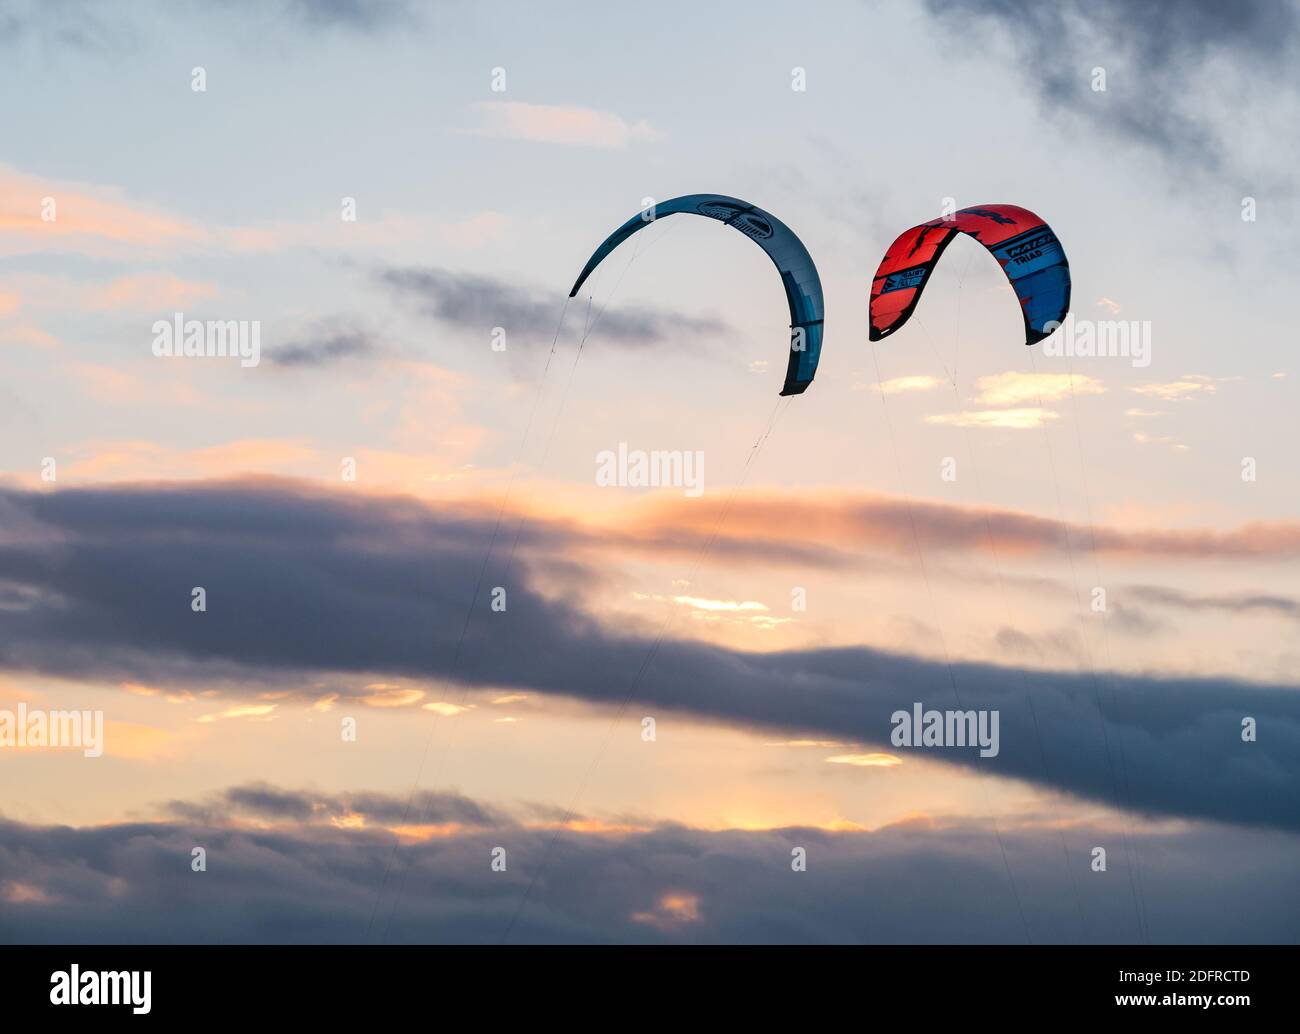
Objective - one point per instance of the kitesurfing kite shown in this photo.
(803, 287)
(1024, 245)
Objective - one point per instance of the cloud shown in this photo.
(257, 712)
(304, 582)
(1005, 419)
(101, 221)
(583, 127)
(1165, 76)
(876, 760)
(77, 24)
(150, 291)
(915, 382)
(261, 801)
(1189, 386)
(361, 15)
(1013, 388)
(1227, 603)
(447, 710)
(480, 303)
(326, 347)
(835, 527)
(313, 878)
(85, 218)
(381, 695)
(1142, 438)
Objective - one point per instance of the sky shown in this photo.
(673, 724)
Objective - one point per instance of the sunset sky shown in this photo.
(126, 479)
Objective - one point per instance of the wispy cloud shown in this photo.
(1014, 388)
(1227, 603)
(874, 760)
(50, 215)
(901, 385)
(1189, 386)
(833, 526)
(582, 127)
(327, 347)
(47, 215)
(480, 303)
(1163, 73)
(1005, 419)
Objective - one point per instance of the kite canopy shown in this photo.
(1023, 244)
(803, 288)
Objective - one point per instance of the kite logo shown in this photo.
(1028, 250)
(1027, 247)
(754, 226)
(902, 281)
(989, 215)
(750, 223)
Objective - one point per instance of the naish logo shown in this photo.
(1030, 249)
(901, 281)
(124, 987)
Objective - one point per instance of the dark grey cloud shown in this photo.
(908, 883)
(365, 15)
(87, 26)
(480, 303)
(1165, 62)
(1059, 647)
(327, 346)
(300, 581)
(57, 24)
(1240, 604)
(263, 801)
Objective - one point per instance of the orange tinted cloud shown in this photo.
(1014, 388)
(866, 760)
(834, 526)
(146, 291)
(38, 214)
(672, 909)
(254, 711)
(140, 742)
(43, 215)
(1004, 419)
(585, 127)
(142, 460)
(382, 695)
